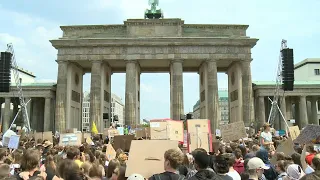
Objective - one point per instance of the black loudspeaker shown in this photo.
(5, 71)
(287, 69)
(105, 115)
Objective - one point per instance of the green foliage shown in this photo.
(146, 125)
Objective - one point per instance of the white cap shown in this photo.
(256, 163)
(135, 177)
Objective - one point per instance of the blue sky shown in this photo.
(31, 24)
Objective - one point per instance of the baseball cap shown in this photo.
(256, 163)
(135, 177)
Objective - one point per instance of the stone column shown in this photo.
(289, 108)
(176, 89)
(261, 112)
(213, 99)
(61, 96)
(314, 111)
(6, 115)
(47, 115)
(246, 93)
(15, 110)
(132, 93)
(95, 94)
(303, 121)
(283, 107)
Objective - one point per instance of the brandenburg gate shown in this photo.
(152, 45)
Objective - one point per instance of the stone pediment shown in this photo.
(154, 28)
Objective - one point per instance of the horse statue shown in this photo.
(153, 12)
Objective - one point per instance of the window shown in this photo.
(317, 72)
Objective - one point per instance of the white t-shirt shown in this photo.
(234, 174)
(266, 136)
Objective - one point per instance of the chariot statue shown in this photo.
(153, 12)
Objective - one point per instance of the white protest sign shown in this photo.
(120, 130)
(218, 132)
(70, 139)
(14, 142)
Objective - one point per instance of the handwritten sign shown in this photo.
(113, 132)
(110, 152)
(233, 131)
(14, 142)
(70, 139)
(294, 132)
(309, 134)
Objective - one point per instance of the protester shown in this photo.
(316, 165)
(269, 173)
(256, 168)
(173, 158)
(294, 172)
(201, 162)
(266, 137)
(231, 159)
(281, 169)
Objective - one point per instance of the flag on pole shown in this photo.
(94, 129)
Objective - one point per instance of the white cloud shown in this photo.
(6, 38)
(146, 88)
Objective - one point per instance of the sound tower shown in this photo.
(5, 71)
(287, 69)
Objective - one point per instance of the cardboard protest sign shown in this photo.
(110, 152)
(286, 147)
(112, 133)
(147, 162)
(86, 136)
(122, 142)
(294, 132)
(185, 138)
(166, 130)
(14, 142)
(199, 134)
(233, 131)
(143, 132)
(38, 135)
(70, 139)
(43, 136)
(308, 135)
(47, 136)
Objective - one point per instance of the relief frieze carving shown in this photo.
(154, 50)
(218, 26)
(160, 22)
(90, 27)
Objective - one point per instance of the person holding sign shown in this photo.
(266, 138)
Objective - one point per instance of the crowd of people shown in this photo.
(248, 159)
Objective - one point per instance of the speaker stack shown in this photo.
(287, 69)
(5, 71)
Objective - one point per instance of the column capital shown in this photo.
(176, 61)
(96, 62)
(210, 60)
(131, 61)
